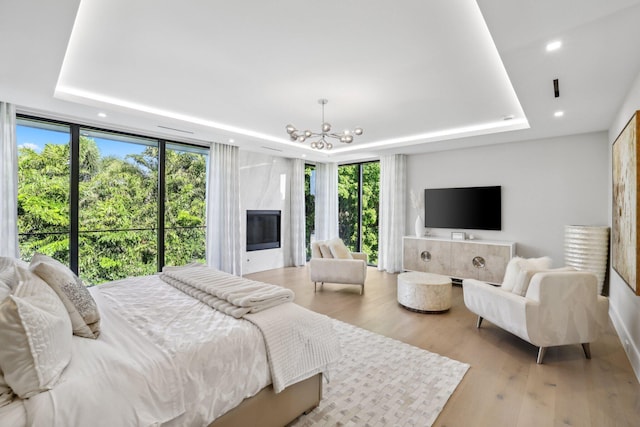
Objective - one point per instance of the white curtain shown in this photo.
(223, 209)
(298, 214)
(326, 201)
(393, 183)
(8, 182)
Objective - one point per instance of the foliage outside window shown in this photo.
(119, 196)
(309, 205)
(358, 207)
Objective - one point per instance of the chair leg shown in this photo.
(479, 322)
(587, 350)
(361, 289)
(315, 287)
(541, 352)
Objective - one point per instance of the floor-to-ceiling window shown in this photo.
(358, 207)
(44, 189)
(109, 204)
(309, 205)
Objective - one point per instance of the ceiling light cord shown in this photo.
(345, 137)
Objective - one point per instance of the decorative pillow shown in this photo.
(8, 273)
(75, 296)
(511, 273)
(338, 249)
(35, 332)
(516, 265)
(324, 250)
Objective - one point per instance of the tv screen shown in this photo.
(475, 208)
(263, 230)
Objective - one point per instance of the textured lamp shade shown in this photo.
(587, 248)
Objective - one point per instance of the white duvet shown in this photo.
(162, 358)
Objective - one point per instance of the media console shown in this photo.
(459, 259)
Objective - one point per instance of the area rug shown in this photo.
(380, 381)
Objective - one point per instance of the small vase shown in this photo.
(419, 227)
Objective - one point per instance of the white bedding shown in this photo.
(178, 366)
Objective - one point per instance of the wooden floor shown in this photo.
(505, 386)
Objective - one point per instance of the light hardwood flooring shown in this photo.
(505, 386)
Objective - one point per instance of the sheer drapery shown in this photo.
(297, 223)
(8, 182)
(326, 201)
(223, 209)
(393, 182)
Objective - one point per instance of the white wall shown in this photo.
(546, 184)
(265, 185)
(624, 304)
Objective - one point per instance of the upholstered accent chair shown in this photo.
(332, 262)
(546, 308)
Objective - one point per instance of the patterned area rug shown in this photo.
(384, 382)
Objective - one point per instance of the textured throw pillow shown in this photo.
(338, 249)
(35, 332)
(8, 273)
(324, 250)
(75, 296)
(522, 281)
(529, 267)
(511, 274)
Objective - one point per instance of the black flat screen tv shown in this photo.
(263, 230)
(473, 208)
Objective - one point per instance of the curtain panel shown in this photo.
(223, 209)
(393, 183)
(326, 222)
(297, 224)
(8, 182)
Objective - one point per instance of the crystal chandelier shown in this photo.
(322, 143)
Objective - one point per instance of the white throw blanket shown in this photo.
(300, 343)
(225, 292)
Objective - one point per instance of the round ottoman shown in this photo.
(424, 292)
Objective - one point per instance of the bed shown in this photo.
(163, 357)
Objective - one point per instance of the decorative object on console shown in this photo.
(625, 235)
(345, 137)
(587, 248)
(458, 235)
(418, 206)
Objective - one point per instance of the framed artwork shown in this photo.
(624, 232)
(458, 235)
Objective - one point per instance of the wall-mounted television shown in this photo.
(474, 208)
(263, 230)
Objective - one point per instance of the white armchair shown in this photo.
(332, 262)
(557, 308)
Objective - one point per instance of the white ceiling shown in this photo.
(416, 75)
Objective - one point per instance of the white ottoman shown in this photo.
(424, 292)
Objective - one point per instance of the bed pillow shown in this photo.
(35, 331)
(75, 296)
(338, 249)
(8, 273)
(6, 396)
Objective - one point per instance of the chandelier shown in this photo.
(345, 137)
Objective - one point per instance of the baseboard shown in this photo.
(627, 342)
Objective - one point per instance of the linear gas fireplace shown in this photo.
(263, 230)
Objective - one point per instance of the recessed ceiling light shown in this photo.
(558, 113)
(304, 156)
(554, 45)
(102, 115)
(231, 140)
